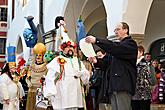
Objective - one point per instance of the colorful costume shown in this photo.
(66, 92)
(36, 71)
(66, 75)
(65, 78)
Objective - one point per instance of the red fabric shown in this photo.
(20, 63)
(62, 71)
(158, 77)
(155, 94)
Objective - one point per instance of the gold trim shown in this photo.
(39, 68)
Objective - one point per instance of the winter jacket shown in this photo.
(123, 71)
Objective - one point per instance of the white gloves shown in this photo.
(83, 75)
(51, 98)
(78, 73)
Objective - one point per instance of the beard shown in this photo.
(70, 53)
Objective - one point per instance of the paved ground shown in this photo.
(153, 107)
(158, 107)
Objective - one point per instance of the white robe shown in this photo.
(9, 90)
(66, 93)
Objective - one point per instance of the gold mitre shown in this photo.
(39, 48)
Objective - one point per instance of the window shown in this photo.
(2, 45)
(3, 14)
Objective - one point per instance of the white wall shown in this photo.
(114, 10)
(52, 8)
(136, 15)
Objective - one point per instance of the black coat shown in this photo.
(101, 68)
(123, 70)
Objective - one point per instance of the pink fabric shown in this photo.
(155, 94)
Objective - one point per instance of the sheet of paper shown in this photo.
(87, 48)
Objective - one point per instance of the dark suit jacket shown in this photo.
(123, 70)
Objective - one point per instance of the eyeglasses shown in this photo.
(117, 29)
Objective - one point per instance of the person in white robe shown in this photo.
(11, 89)
(65, 78)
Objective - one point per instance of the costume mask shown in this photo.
(39, 50)
(39, 58)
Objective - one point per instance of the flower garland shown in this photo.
(68, 43)
(61, 62)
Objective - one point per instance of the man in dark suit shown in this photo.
(123, 71)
